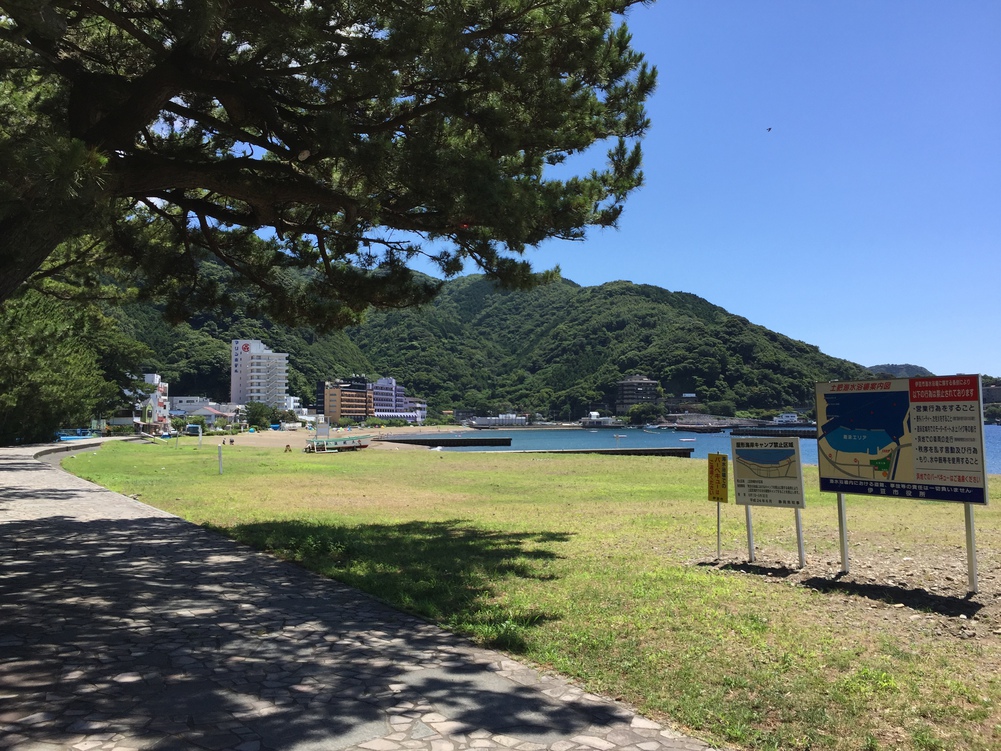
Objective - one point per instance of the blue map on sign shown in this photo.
(859, 441)
(864, 422)
(765, 456)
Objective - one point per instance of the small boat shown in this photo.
(686, 439)
(333, 445)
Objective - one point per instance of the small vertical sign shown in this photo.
(718, 487)
(718, 492)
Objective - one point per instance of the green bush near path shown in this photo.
(603, 568)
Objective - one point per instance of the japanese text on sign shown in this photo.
(767, 472)
(718, 488)
(920, 437)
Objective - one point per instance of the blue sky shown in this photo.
(868, 220)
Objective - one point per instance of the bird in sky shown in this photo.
(768, 130)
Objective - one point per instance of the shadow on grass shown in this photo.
(776, 572)
(446, 570)
(918, 599)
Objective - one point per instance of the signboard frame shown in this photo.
(769, 472)
(758, 488)
(928, 429)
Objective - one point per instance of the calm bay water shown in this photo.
(704, 444)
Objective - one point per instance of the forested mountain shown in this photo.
(194, 357)
(558, 350)
(900, 371)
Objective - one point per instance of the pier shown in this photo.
(447, 441)
(805, 431)
(680, 451)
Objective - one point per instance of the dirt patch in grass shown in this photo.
(899, 596)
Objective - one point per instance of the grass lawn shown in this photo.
(603, 568)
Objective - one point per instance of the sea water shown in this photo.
(702, 444)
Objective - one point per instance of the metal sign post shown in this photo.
(750, 534)
(799, 539)
(843, 532)
(971, 550)
(220, 458)
(719, 543)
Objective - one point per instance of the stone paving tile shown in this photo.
(123, 627)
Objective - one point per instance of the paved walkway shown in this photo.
(123, 627)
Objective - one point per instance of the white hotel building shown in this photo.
(390, 402)
(257, 374)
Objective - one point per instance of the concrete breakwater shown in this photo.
(447, 441)
(683, 452)
(804, 431)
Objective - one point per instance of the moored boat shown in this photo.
(333, 445)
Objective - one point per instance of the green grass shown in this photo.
(602, 568)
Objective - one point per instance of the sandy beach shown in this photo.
(296, 439)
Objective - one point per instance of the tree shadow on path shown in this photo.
(166, 635)
(444, 570)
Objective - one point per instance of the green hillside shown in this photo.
(194, 357)
(560, 349)
(557, 350)
(900, 371)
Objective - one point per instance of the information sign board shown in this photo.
(910, 437)
(718, 487)
(768, 472)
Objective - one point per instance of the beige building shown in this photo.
(347, 399)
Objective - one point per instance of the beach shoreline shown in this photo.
(296, 439)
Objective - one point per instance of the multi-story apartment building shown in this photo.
(257, 374)
(635, 389)
(351, 399)
(357, 400)
(391, 402)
